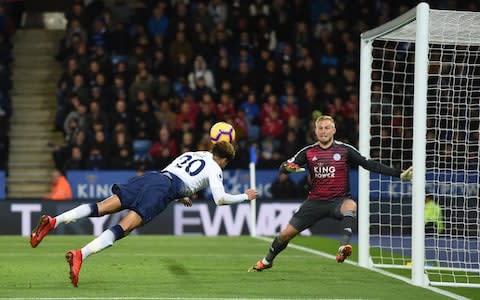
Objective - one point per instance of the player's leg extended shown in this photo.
(348, 211)
(278, 245)
(47, 223)
(75, 258)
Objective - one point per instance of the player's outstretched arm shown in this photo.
(252, 194)
(185, 201)
(407, 174)
(222, 198)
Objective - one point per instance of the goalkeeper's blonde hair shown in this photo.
(324, 118)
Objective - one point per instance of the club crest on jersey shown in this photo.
(337, 156)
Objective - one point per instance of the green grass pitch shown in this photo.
(168, 267)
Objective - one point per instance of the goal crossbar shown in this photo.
(404, 28)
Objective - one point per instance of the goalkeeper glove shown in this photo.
(293, 167)
(407, 174)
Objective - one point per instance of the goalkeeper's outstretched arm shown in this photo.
(376, 166)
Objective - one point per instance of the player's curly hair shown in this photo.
(224, 149)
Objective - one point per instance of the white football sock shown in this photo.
(74, 214)
(103, 241)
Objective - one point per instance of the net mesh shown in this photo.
(452, 149)
(392, 137)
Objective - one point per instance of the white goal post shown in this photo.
(420, 107)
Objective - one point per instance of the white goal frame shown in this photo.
(422, 35)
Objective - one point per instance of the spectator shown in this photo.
(283, 187)
(200, 70)
(15, 10)
(75, 34)
(118, 40)
(201, 42)
(180, 70)
(77, 12)
(158, 22)
(61, 153)
(252, 114)
(7, 26)
(226, 108)
(290, 143)
(164, 115)
(164, 149)
(218, 11)
(273, 126)
(96, 160)
(121, 154)
(95, 115)
(180, 47)
(205, 142)
(160, 64)
(60, 189)
(143, 82)
(75, 160)
(206, 114)
(76, 120)
(187, 142)
(99, 33)
(121, 12)
(78, 87)
(304, 186)
(120, 115)
(185, 117)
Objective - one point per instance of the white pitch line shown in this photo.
(138, 254)
(383, 272)
(177, 298)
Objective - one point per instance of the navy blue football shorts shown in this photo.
(148, 195)
(312, 211)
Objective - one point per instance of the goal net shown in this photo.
(437, 216)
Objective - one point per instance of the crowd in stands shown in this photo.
(142, 83)
(8, 24)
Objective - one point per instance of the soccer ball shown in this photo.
(222, 131)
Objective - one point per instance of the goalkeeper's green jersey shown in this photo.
(433, 214)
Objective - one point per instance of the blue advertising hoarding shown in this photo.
(2, 185)
(93, 184)
(97, 184)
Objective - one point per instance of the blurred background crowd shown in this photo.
(144, 80)
(10, 16)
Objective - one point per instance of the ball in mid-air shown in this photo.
(222, 131)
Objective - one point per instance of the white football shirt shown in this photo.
(198, 170)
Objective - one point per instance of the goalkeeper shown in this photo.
(328, 162)
(147, 196)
